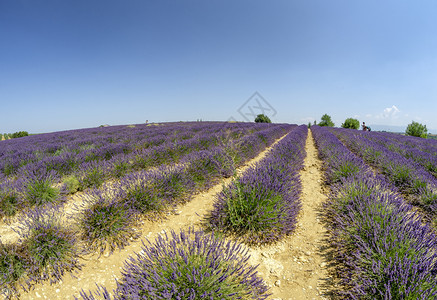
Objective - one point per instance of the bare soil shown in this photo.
(295, 268)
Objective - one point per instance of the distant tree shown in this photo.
(326, 121)
(309, 124)
(351, 123)
(417, 129)
(261, 118)
(19, 134)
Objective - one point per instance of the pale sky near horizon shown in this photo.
(76, 64)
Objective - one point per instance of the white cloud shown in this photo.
(391, 112)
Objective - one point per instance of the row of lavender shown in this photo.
(85, 144)
(131, 137)
(261, 206)
(383, 249)
(411, 178)
(114, 150)
(422, 151)
(48, 247)
(34, 184)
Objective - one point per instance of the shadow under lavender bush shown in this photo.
(188, 265)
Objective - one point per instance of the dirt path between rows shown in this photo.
(294, 268)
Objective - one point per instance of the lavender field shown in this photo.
(218, 210)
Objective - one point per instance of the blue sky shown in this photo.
(75, 64)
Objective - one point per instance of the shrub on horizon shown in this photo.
(261, 118)
(416, 129)
(19, 134)
(351, 123)
(326, 121)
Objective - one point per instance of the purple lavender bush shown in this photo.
(188, 265)
(382, 247)
(205, 167)
(92, 174)
(51, 246)
(10, 199)
(106, 223)
(257, 207)
(13, 265)
(152, 192)
(39, 189)
(386, 251)
(262, 205)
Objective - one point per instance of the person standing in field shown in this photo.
(364, 126)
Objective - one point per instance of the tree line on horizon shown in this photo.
(8, 136)
(413, 129)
